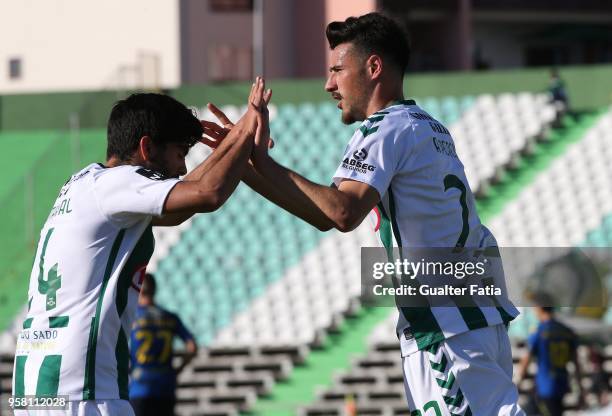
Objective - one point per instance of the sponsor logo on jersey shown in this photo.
(357, 162)
(151, 174)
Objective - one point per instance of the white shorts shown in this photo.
(468, 374)
(86, 408)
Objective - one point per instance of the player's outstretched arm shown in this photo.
(209, 185)
(321, 206)
(305, 210)
(191, 350)
(217, 133)
(324, 207)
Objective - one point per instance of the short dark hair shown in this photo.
(161, 117)
(544, 301)
(372, 33)
(149, 286)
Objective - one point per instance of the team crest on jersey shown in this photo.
(356, 162)
(151, 174)
(138, 277)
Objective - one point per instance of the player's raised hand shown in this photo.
(262, 135)
(250, 119)
(216, 132)
(259, 95)
(259, 100)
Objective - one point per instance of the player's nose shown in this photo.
(330, 84)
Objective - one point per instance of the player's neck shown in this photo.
(111, 162)
(546, 318)
(143, 301)
(382, 98)
(114, 161)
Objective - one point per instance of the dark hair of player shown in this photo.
(161, 117)
(149, 286)
(372, 33)
(544, 301)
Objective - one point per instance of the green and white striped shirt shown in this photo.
(84, 285)
(426, 202)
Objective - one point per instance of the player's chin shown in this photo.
(347, 117)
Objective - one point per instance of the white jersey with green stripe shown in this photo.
(89, 265)
(426, 202)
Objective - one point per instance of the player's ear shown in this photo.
(374, 66)
(145, 148)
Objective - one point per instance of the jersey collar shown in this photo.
(397, 102)
(403, 102)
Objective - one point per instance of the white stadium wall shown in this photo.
(87, 44)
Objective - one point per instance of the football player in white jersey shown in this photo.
(402, 163)
(95, 245)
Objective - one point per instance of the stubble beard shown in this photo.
(157, 164)
(351, 114)
(347, 118)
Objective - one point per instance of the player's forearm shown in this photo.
(301, 208)
(168, 220)
(191, 350)
(217, 182)
(185, 362)
(330, 207)
(215, 157)
(220, 174)
(196, 173)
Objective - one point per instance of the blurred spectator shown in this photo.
(553, 346)
(153, 378)
(558, 95)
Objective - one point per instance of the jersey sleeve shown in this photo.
(129, 193)
(371, 157)
(181, 331)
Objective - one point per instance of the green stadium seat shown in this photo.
(287, 111)
(431, 105)
(307, 110)
(467, 102)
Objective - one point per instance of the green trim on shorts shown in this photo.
(447, 380)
